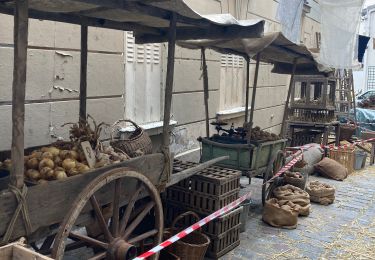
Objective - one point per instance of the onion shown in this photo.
(72, 155)
(54, 151)
(47, 155)
(73, 172)
(41, 181)
(63, 154)
(33, 174)
(33, 163)
(47, 173)
(59, 175)
(46, 163)
(36, 154)
(7, 164)
(81, 168)
(59, 169)
(68, 164)
(57, 161)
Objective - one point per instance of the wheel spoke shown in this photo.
(129, 208)
(116, 208)
(100, 218)
(90, 240)
(138, 219)
(98, 256)
(143, 236)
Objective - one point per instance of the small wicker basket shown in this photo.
(191, 247)
(139, 141)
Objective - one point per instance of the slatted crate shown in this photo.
(224, 243)
(215, 180)
(199, 202)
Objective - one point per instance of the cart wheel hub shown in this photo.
(119, 249)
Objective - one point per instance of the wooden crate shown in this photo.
(344, 156)
(224, 243)
(16, 251)
(215, 180)
(199, 202)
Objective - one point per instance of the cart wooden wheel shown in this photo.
(276, 163)
(118, 239)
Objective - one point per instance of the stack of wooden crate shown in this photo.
(204, 193)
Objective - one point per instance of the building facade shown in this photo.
(127, 80)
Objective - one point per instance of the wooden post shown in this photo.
(247, 89)
(169, 81)
(83, 75)
(205, 88)
(253, 97)
(282, 132)
(21, 17)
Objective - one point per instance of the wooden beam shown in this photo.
(21, 22)
(83, 20)
(282, 132)
(247, 89)
(83, 75)
(253, 97)
(169, 82)
(205, 89)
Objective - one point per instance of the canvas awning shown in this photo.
(273, 48)
(148, 19)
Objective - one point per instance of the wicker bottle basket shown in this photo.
(191, 247)
(138, 140)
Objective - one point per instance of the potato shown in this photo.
(47, 155)
(54, 151)
(46, 163)
(68, 164)
(72, 155)
(81, 168)
(36, 154)
(72, 172)
(32, 163)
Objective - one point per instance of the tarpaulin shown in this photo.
(289, 14)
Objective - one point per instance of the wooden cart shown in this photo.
(118, 205)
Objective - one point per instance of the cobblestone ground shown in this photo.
(342, 230)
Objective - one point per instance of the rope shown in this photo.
(22, 206)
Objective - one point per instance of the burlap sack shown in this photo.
(296, 195)
(323, 200)
(319, 189)
(294, 178)
(331, 169)
(280, 214)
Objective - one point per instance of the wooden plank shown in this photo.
(205, 89)
(169, 82)
(253, 97)
(48, 203)
(21, 22)
(247, 89)
(6, 252)
(288, 98)
(83, 75)
(22, 253)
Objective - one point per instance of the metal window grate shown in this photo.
(371, 77)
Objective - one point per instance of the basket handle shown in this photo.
(183, 215)
(115, 124)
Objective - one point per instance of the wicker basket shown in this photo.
(346, 132)
(191, 247)
(139, 141)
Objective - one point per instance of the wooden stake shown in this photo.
(282, 132)
(18, 96)
(205, 88)
(247, 89)
(253, 97)
(83, 75)
(169, 81)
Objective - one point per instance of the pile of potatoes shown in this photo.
(51, 163)
(259, 135)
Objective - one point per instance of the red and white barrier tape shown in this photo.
(193, 227)
(345, 146)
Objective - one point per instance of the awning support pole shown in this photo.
(169, 82)
(282, 132)
(83, 75)
(21, 22)
(250, 125)
(205, 88)
(247, 89)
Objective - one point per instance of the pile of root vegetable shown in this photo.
(259, 135)
(66, 159)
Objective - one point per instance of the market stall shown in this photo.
(112, 200)
(252, 151)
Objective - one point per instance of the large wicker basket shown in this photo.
(191, 247)
(138, 141)
(346, 131)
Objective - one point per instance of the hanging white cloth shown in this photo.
(289, 14)
(339, 28)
